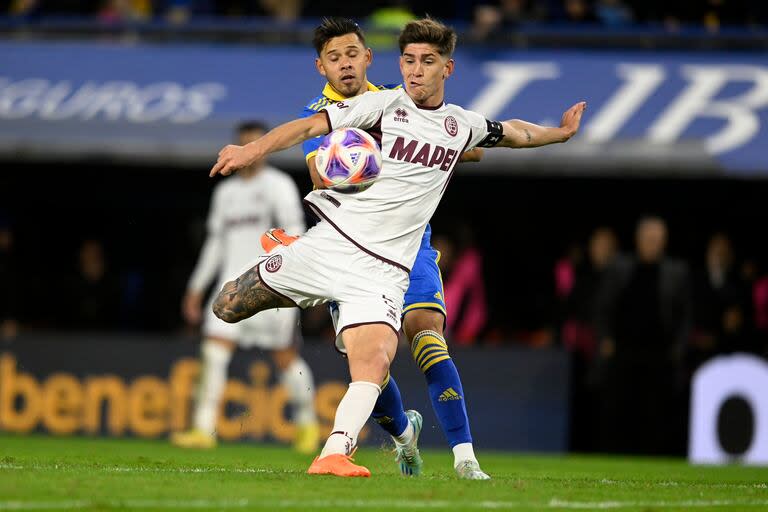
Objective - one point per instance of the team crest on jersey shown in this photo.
(451, 126)
(274, 263)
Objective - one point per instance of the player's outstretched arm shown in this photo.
(233, 157)
(522, 134)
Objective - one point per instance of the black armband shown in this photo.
(495, 134)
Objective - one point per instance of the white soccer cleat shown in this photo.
(470, 470)
(408, 457)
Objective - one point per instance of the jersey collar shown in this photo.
(420, 107)
(331, 93)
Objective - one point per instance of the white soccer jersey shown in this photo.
(241, 211)
(420, 148)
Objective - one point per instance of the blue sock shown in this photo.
(431, 354)
(388, 411)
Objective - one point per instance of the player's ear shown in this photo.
(319, 66)
(448, 71)
(368, 57)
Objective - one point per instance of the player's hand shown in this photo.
(232, 158)
(572, 119)
(473, 155)
(191, 308)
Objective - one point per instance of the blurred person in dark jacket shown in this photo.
(578, 282)
(92, 294)
(578, 329)
(721, 301)
(642, 318)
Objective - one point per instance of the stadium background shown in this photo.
(75, 170)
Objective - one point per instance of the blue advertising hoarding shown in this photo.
(180, 101)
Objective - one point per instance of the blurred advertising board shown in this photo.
(694, 112)
(144, 386)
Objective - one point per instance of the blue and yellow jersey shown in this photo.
(328, 97)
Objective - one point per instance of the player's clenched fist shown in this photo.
(231, 159)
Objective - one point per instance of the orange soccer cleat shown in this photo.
(337, 464)
(274, 237)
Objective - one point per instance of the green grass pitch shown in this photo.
(48, 473)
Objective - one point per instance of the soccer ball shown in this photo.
(348, 160)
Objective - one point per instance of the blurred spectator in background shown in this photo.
(492, 20)
(577, 284)
(721, 305)
(54, 7)
(182, 11)
(283, 10)
(385, 23)
(21, 8)
(496, 21)
(91, 298)
(578, 12)
(461, 264)
(642, 319)
(614, 13)
(9, 300)
(115, 11)
(713, 14)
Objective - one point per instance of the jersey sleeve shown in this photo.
(211, 255)
(310, 146)
(362, 111)
(485, 133)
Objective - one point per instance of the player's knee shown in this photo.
(378, 362)
(371, 366)
(225, 303)
(428, 348)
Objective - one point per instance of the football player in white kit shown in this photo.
(361, 251)
(242, 208)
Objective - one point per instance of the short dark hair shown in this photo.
(429, 31)
(334, 27)
(252, 126)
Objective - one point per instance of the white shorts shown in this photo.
(273, 329)
(323, 266)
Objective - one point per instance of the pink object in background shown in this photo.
(465, 292)
(565, 277)
(760, 301)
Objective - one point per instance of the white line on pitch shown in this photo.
(140, 469)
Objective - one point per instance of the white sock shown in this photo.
(298, 382)
(351, 415)
(407, 435)
(462, 452)
(213, 378)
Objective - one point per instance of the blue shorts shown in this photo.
(426, 287)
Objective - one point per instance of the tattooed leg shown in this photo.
(246, 296)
